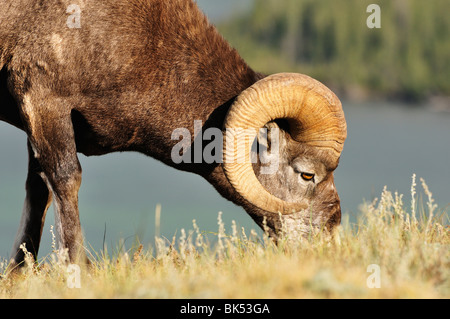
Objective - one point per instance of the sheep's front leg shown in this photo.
(37, 201)
(52, 139)
(62, 172)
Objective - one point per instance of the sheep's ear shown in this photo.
(266, 134)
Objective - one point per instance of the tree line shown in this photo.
(407, 58)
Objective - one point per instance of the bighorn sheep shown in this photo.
(124, 77)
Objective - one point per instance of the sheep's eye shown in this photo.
(307, 177)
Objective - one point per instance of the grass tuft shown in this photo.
(407, 243)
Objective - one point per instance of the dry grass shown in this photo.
(410, 244)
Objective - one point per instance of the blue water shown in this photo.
(387, 144)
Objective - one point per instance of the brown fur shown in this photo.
(134, 72)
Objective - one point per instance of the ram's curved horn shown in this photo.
(315, 118)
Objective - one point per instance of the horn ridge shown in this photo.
(315, 118)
